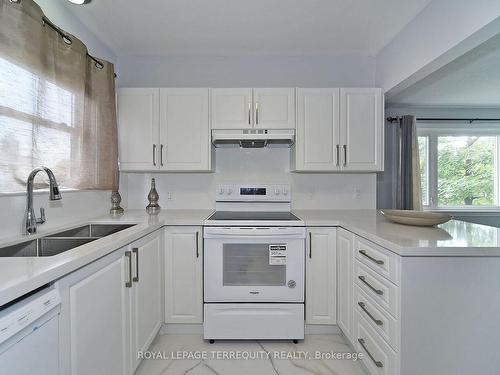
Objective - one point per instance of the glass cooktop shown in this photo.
(253, 216)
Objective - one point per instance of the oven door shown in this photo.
(254, 264)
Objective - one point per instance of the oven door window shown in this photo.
(254, 264)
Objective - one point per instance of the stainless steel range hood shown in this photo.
(253, 138)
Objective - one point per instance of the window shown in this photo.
(459, 165)
(36, 126)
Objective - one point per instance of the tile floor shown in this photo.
(273, 357)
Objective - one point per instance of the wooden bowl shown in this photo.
(417, 218)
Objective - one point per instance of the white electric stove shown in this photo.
(254, 251)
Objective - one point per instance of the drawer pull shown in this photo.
(377, 363)
(364, 253)
(378, 291)
(363, 307)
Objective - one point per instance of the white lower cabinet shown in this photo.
(184, 275)
(345, 258)
(111, 309)
(95, 310)
(146, 307)
(321, 279)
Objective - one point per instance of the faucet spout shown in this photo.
(31, 220)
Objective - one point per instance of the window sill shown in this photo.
(486, 211)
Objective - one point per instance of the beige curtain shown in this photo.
(57, 104)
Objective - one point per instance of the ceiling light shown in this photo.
(79, 2)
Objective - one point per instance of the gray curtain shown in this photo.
(408, 189)
(57, 104)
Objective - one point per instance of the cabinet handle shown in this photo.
(345, 155)
(257, 113)
(249, 113)
(128, 284)
(363, 307)
(364, 253)
(377, 363)
(161, 155)
(154, 155)
(135, 250)
(378, 291)
(310, 245)
(338, 155)
(197, 243)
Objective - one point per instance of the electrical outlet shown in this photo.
(357, 193)
(169, 196)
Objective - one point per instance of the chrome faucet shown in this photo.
(31, 220)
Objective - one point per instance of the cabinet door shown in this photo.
(274, 108)
(317, 144)
(183, 275)
(362, 129)
(232, 108)
(321, 276)
(98, 321)
(184, 130)
(138, 129)
(146, 300)
(345, 259)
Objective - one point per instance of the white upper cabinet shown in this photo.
(164, 130)
(138, 128)
(232, 108)
(361, 129)
(339, 130)
(184, 130)
(274, 108)
(267, 108)
(317, 146)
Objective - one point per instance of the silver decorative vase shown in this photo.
(153, 207)
(116, 199)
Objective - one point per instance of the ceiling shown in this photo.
(246, 27)
(472, 80)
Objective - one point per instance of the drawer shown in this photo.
(377, 258)
(379, 358)
(382, 291)
(379, 319)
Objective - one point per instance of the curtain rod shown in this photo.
(469, 120)
(67, 39)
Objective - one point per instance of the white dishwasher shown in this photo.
(29, 334)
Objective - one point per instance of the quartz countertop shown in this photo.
(20, 275)
(454, 238)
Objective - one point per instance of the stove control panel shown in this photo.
(253, 192)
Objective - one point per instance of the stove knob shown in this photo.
(221, 190)
(285, 191)
(276, 192)
(229, 191)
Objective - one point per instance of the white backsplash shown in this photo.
(235, 165)
(74, 206)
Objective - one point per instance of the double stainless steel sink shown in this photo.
(61, 241)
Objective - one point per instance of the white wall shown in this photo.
(319, 191)
(57, 12)
(444, 30)
(262, 71)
